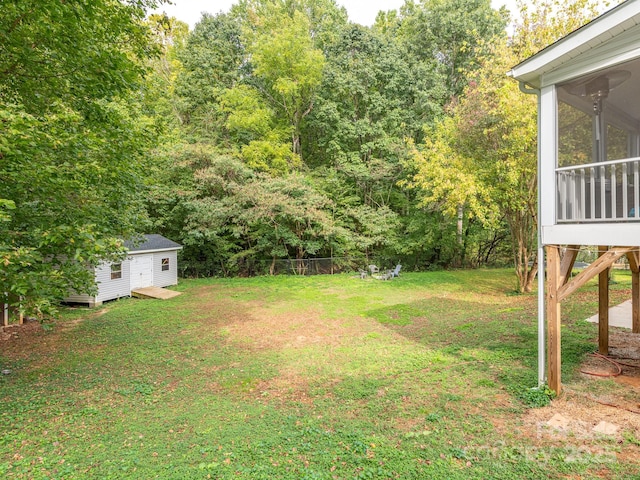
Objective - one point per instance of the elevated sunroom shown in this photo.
(598, 151)
(588, 88)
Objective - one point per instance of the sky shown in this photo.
(360, 11)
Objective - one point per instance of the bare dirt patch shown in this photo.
(14, 336)
(592, 421)
(21, 341)
(268, 330)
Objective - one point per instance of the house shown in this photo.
(587, 85)
(153, 262)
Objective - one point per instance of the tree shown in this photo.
(373, 96)
(212, 62)
(71, 141)
(160, 100)
(287, 67)
(483, 156)
(453, 33)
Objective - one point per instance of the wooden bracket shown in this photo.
(600, 265)
(566, 265)
(634, 266)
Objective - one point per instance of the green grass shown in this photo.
(296, 377)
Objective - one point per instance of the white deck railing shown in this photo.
(599, 192)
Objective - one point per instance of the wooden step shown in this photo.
(154, 292)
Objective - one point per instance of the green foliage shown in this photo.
(287, 65)
(70, 51)
(159, 101)
(453, 34)
(211, 62)
(481, 160)
(355, 115)
(536, 397)
(72, 141)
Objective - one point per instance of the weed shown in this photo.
(536, 397)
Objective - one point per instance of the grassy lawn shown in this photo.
(425, 376)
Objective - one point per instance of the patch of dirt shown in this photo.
(287, 387)
(622, 364)
(13, 332)
(266, 330)
(263, 328)
(624, 344)
(18, 338)
(591, 421)
(20, 341)
(580, 430)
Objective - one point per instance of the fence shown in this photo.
(313, 266)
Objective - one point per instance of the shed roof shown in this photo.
(151, 242)
(586, 38)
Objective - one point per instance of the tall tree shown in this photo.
(160, 100)
(287, 66)
(71, 140)
(484, 155)
(212, 62)
(451, 32)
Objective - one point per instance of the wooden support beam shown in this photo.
(4, 302)
(604, 261)
(603, 305)
(634, 261)
(635, 302)
(553, 319)
(634, 266)
(568, 259)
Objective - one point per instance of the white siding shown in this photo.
(109, 289)
(80, 298)
(167, 277)
(547, 137)
(607, 234)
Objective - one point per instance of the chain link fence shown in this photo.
(313, 266)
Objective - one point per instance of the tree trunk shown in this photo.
(523, 232)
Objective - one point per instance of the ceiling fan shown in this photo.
(598, 87)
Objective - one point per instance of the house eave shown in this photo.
(611, 23)
(153, 250)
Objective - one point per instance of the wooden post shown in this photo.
(20, 314)
(553, 319)
(5, 310)
(634, 266)
(635, 301)
(603, 307)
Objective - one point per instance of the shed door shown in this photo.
(141, 271)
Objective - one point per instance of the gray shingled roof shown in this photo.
(151, 242)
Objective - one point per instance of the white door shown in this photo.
(141, 271)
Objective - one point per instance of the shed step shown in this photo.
(154, 292)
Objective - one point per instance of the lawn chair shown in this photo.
(373, 269)
(396, 271)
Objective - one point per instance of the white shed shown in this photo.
(588, 163)
(153, 262)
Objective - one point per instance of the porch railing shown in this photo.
(599, 192)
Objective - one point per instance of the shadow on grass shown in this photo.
(502, 334)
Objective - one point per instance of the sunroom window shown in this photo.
(597, 174)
